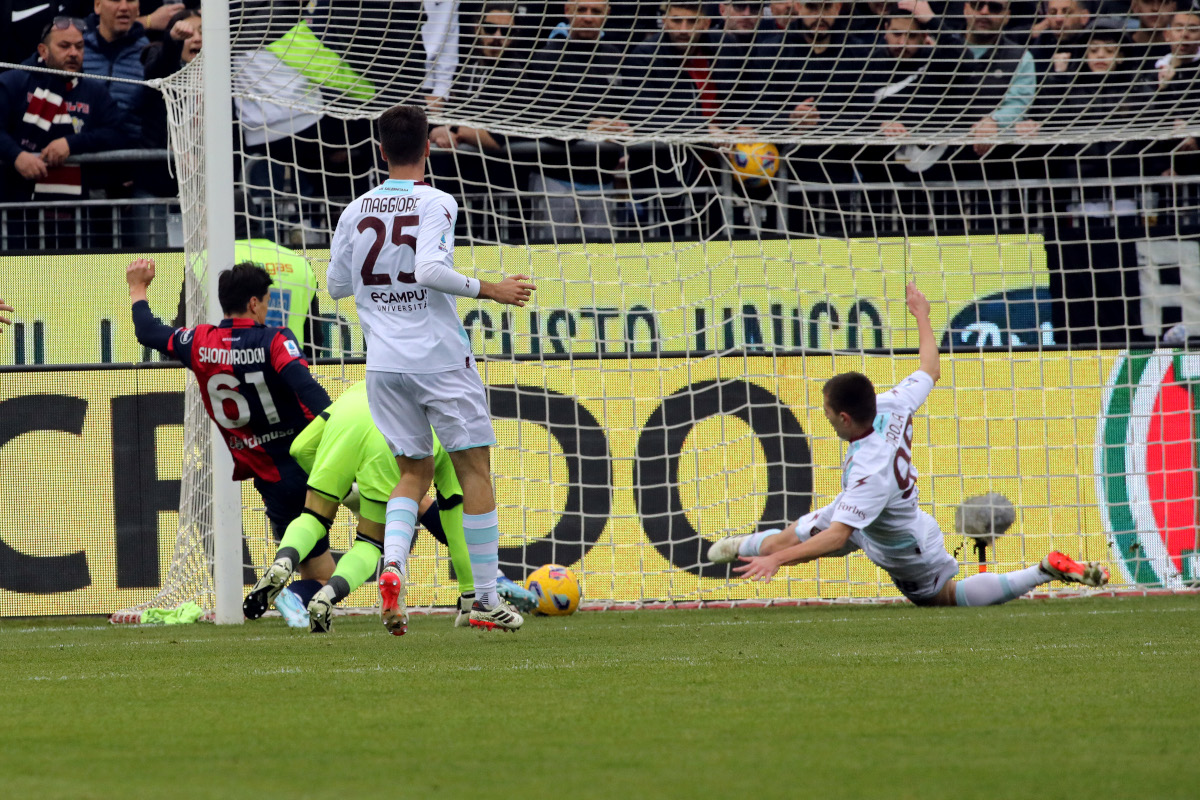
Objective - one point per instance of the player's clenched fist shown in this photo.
(513, 290)
(140, 272)
(5, 307)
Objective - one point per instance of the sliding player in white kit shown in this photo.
(394, 252)
(877, 509)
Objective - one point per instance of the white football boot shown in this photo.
(501, 616)
(463, 618)
(725, 551)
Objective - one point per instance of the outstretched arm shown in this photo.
(513, 290)
(828, 541)
(918, 306)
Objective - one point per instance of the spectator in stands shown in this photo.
(1058, 40)
(778, 20)
(1178, 67)
(1177, 89)
(113, 48)
(670, 74)
(1098, 91)
(907, 74)
(572, 79)
(775, 33)
(1067, 95)
(1151, 19)
(670, 77)
(40, 131)
(742, 66)
(487, 85)
(181, 43)
(906, 77)
(488, 81)
(995, 78)
(625, 24)
(48, 118)
(741, 18)
(821, 67)
(182, 40)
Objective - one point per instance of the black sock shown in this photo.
(305, 589)
(289, 552)
(341, 589)
(433, 523)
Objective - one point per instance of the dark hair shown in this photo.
(236, 286)
(187, 13)
(497, 7)
(852, 393)
(1108, 29)
(698, 7)
(153, 53)
(403, 133)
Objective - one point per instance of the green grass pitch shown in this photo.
(1066, 698)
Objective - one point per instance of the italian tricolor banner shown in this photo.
(1146, 465)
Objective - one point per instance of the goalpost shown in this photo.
(699, 280)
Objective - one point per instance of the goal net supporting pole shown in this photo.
(218, 189)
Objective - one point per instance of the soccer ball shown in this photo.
(755, 164)
(557, 590)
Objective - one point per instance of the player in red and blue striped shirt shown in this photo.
(257, 389)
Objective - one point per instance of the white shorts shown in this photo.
(919, 575)
(922, 585)
(404, 405)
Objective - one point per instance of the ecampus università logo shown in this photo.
(1146, 466)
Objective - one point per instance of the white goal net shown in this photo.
(721, 205)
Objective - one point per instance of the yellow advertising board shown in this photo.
(621, 468)
(814, 294)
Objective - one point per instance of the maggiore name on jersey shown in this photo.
(218, 355)
(388, 205)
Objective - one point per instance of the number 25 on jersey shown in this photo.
(378, 228)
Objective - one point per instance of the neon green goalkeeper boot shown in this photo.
(260, 598)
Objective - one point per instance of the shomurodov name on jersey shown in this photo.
(219, 355)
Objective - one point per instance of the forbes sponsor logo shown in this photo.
(852, 509)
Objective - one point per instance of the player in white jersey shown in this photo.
(877, 510)
(393, 250)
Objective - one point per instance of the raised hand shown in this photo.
(140, 273)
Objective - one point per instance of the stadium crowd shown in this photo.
(984, 71)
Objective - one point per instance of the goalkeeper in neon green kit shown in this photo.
(339, 448)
